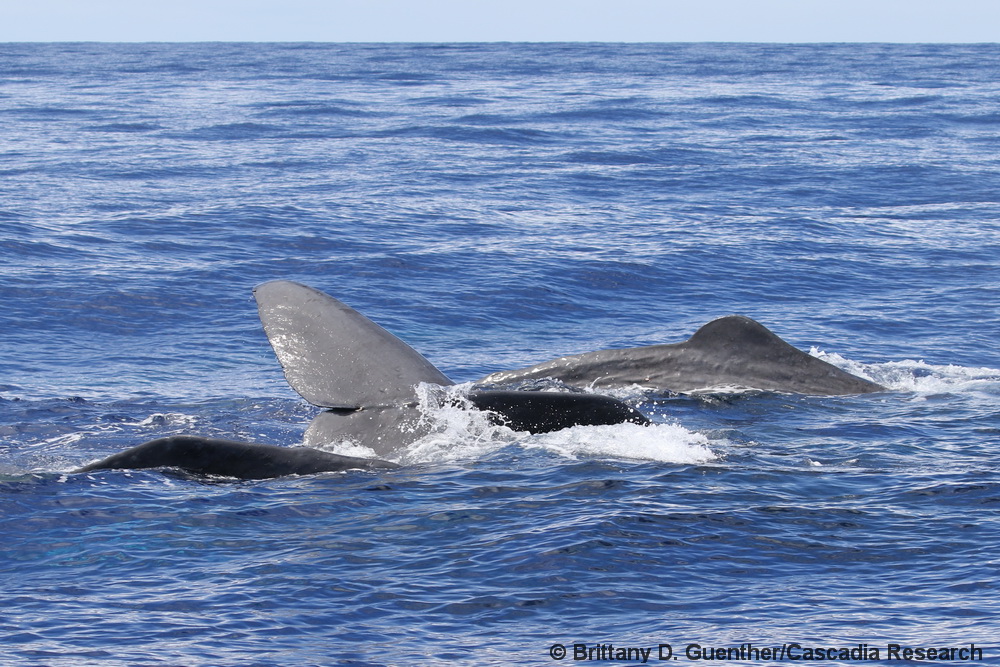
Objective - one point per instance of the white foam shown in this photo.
(459, 433)
(670, 443)
(919, 377)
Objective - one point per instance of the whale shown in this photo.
(383, 429)
(368, 380)
(230, 458)
(375, 391)
(731, 352)
(365, 377)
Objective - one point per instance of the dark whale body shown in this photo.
(546, 411)
(228, 458)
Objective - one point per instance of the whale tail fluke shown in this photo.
(334, 356)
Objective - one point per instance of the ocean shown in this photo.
(495, 206)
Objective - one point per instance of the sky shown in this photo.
(500, 20)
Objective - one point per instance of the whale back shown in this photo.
(730, 352)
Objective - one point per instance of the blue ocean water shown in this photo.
(497, 206)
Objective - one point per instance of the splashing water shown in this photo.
(460, 432)
(919, 377)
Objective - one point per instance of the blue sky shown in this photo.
(501, 20)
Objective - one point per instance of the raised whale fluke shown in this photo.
(334, 356)
(732, 351)
(337, 358)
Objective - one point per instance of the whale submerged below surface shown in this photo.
(367, 380)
